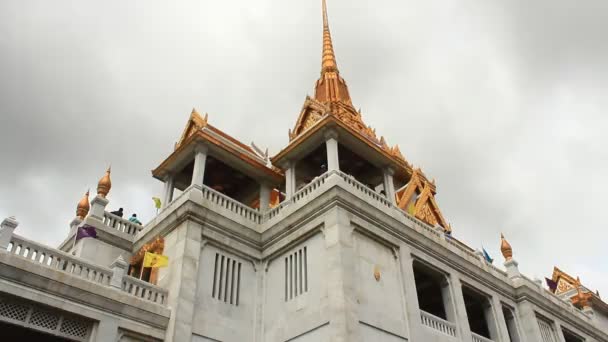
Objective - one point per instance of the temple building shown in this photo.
(337, 237)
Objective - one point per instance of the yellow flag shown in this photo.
(155, 260)
(157, 202)
(411, 208)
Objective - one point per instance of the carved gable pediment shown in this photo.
(312, 112)
(418, 198)
(195, 123)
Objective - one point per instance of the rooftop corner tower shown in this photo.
(330, 135)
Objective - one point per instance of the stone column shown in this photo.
(559, 332)
(169, 185)
(501, 322)
(411, 297)
(462, 320)
(6, 232)
(449, 304)
(331, 143)
(529, 322)
(264, 197)
(491, 313)
(290, 179)
(98, 207)
(119, 270)
(200, 159)
(341, 281)
(389, 185)
(183, 247)
(107, 330)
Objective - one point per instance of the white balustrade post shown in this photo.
(290, 179)
(200, 159)
(119, 269)
(169, 185)
(264, 197)
(389, 184)
(331, 144)
(512, 269)
(6, 231)
(98, 207)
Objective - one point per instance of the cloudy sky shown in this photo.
(503, 102)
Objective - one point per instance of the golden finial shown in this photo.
(105, 184)
(505, 248)
(329, 58)
(82, 209)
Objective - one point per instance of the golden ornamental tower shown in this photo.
(105, 184)
(82, 209)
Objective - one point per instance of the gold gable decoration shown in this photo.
(195, 123)
(423, 193)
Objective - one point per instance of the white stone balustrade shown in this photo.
(121, 224)
(145, 290)
(58, 260)
(231, 204)
(437, 323)
(350, 180)
(64, 262)
(479, 338)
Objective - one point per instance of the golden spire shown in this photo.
(330, 87)
(505, 248)
(82, 209)
(105, 184)
(328, 62)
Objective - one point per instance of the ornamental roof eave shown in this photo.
(219, 144)
(330, 121)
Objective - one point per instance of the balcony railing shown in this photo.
(64, 262)
(58, 260)
(479, 338)
(231, 204)
(438, 324)
(145, 290)
(121, 224)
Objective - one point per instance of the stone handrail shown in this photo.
(64, 262)
(145, 290)
(231, 204)
(121, 224)
(437, 323)
(58, 260)
(350, 180)
(479, 338)
(310, 187)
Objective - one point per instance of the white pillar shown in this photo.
(501, 321)
(462, 319)
(529, 322)
(416, 331)
(119, 270)
(6, 231)
(331, 143)
(389, 185)
(169, 185)
(341, 265)
(98, 207)
(200, 158)
(264, 197)
(290, 179)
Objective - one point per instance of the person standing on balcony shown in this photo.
(134, 219)
(118, 212)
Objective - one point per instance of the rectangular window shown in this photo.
(296, 274)
(547, 332)
(226, 279)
